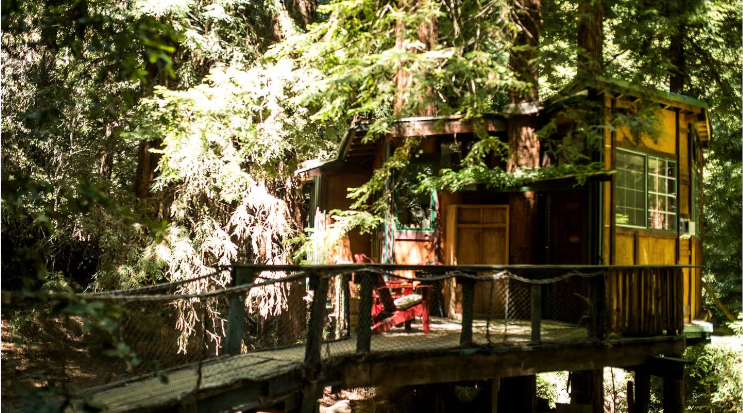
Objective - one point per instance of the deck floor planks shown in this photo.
(259, 366)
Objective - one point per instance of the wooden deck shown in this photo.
(264, 369)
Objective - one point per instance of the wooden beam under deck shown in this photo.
(513, 362)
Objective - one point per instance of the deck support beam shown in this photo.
(518, 394)
(642, 391)
(448, 368)
(673, 390)
(494, 389)
(587, 388)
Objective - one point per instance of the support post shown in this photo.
(519, 394)
(494, 389)
(468, 307)
(536, 313)
(673, 392)
(236, 313)
(311, 390)
(597, 325)
(587, 388)
(363, 329)
(642, 391)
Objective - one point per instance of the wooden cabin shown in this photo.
(645, 210)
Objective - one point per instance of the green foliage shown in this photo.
(716, 377)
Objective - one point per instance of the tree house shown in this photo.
(646, 209)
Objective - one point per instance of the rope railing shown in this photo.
(314, 315)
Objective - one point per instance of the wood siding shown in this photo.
(631, 246)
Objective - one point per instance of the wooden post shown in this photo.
(311, 390)
(236, 314)
(494, 389)
(346, 304)
(468, 304)
(597, 325)
(587, 388)
(519, 394)
(536, 313)
(630, 397)
(363, 329)
(642, 391)
(673, 392)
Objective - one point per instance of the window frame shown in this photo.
(646, 175)
(432, 198)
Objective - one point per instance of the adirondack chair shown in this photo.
(392, 311)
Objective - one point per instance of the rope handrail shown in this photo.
(434, 274)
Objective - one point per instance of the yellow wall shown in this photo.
(629, 246)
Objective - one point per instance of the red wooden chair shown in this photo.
(392, 311)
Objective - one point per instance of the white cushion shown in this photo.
(405, 302)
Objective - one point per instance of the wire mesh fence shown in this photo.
(174, 340)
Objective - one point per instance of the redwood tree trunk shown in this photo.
(678, 59)
(302, 11)
(146, 166)
(590, 36)
(428, 35)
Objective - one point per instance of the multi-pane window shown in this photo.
(661, 194)
(415, 206)
(646, 191)
(631, 189)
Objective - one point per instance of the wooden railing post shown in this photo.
(312, 357)
(468, 307)
(236, 314)
(363, 328)
(597, 325)
(678, 280)
(536, 313)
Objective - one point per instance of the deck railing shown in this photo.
(304, 314)
(538, 303)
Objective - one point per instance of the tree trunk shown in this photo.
(587, 388)
(428, 35)
(676, 50)
(146, 166)
(302, 11)
(523, 142)
(590, 37)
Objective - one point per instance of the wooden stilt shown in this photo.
(642, 391)
(673, 391)
(494, 388)
(587, 388)
(518, 394)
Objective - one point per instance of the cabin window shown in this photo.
(646, 191)
(630, 189)
(661, 193)
(310, 193)
(415, 206)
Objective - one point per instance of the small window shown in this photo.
(630, 189)
(415, 207)
(661, 194)
(646, 191)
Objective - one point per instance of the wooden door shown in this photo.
(476, 235)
